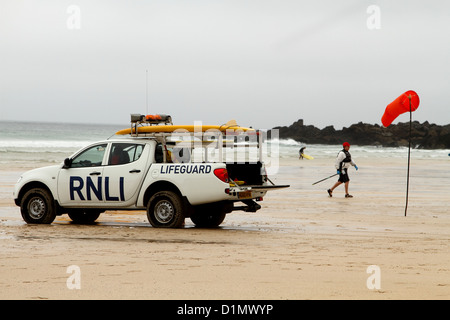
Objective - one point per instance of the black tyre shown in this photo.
(208, 220)
(84, 216)
(37, 206)
(166, 210)
(210, 216)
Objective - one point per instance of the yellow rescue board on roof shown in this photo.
(182, 128)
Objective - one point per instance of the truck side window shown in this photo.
(91, 157)
(123, 153)
(159, 157)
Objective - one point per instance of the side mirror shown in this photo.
(67, 163)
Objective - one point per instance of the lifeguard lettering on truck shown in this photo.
(140, 174)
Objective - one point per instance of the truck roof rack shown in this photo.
(175, 139)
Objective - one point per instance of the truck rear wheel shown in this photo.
(210, 215)
(37, 206)
(84, 216)
(165, 210)
(208, 219)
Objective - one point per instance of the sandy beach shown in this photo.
(301, 245)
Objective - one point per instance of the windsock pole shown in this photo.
(395, 108)
(409, 154)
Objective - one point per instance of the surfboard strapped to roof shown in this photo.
(142, 125)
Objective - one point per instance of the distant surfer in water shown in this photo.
(343, 162)
(300, 152)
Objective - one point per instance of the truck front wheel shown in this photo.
(37, 206)
(165, 210)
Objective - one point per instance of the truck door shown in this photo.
(81, 184)
(124, 173)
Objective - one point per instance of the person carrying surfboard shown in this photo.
(300, 153)
(343, 162)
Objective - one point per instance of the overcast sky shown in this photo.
(264, 63)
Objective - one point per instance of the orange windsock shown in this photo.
(399, 106)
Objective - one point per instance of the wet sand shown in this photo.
(301, 245)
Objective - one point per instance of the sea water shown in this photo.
(290, 148)
(22, 143)
(25, 143)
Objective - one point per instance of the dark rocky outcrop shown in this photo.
(423, 135)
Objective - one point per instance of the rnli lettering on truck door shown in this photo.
(78, 188)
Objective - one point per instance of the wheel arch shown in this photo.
(30, 185)
(160, 186)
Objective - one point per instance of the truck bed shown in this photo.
(250, 173)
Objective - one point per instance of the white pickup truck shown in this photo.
(139, 173)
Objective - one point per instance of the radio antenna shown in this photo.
(146, 93)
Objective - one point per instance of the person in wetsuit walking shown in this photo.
(343, 162)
